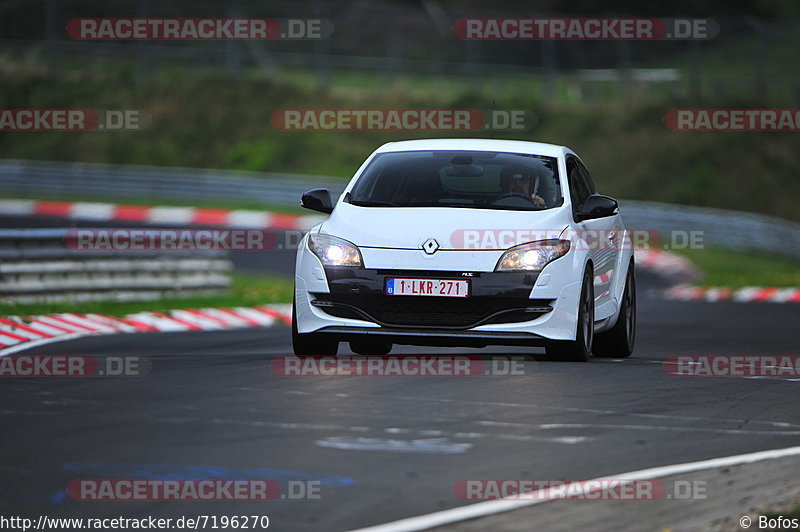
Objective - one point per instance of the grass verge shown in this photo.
(736, 269)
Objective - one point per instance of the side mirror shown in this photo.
(597, 206)
(318, 199)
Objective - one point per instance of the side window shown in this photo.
(587, 177)
(578, 189)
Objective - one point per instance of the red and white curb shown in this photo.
(676, 266)
(740, 295)
(106, 212)
(664, 263)
(19, 333)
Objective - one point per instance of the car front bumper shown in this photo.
(503, 308)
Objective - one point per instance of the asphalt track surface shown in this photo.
(386, 448)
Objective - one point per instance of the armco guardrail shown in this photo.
(724, 228)
(716, 227)
(154, 183)
(37, 266)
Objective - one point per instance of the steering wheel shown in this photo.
(514, 194)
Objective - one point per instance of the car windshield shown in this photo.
(465, 179)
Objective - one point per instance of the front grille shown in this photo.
(421, 311)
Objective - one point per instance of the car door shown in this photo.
(601, 235)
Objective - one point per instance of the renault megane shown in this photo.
(466, 242)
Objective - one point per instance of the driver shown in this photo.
(515, 181)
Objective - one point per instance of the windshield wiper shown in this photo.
(366, 203)
(509, 208)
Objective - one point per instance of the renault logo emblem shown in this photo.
(430, 246)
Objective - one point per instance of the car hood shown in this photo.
(452, 228)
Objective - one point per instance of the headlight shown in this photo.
(532, 256)
(333, 251)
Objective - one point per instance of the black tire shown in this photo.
(311, 344)
(618, 341)
(370, 346)
(580, 349)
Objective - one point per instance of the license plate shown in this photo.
(426, 287)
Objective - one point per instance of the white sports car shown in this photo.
(466, 242)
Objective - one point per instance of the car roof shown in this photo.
(496, 145)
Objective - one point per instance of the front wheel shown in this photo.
(580, 349)
(311, 344)
(618, 341)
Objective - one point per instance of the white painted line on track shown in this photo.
(422, 445)
(44, 341)
(487, 508)
(566, 440)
